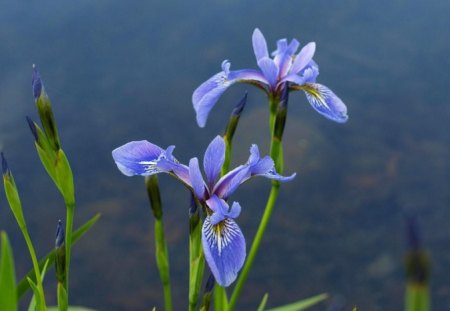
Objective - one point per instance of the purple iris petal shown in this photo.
(207, 95)
(248, 75)
(310, 72)
(303, 58)
(138, 158)
(196, 179)
(325, 102)
(219, 208)
(222, 210)
(288, 58)
(270, 70)
(259, 45)
(224, 249)
(213, 160)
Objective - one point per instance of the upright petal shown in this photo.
(287, 59)
(224, 249)
(303, 58)
(213, 160)
(270, 70)
(325, 102)
(196, 178)
(259, 45)
(138, 158)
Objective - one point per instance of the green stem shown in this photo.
(276, 153)
(196, 259)
(226, 162)
(220, 298)
(162, 261)
(35, 267)
(161, 252)
(70, 211)
(255, 245)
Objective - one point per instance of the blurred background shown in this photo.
(118, 71)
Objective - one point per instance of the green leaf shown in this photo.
(23, 286)
(36, 296)
(302, 304)
(64, 177)
(71, 308)
(32, 305)
(8, 300)
(263, 303)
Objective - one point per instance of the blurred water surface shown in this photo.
(125, 70)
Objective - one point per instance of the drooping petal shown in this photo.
(169, 163)
(138, 158)
(325, 102)
(259, 45)
(248, 75)
(224, 249)
(208, 93)
(213, 160)
(198, 185)
(303, 58)
(270, 70)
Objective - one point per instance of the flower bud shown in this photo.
(60, 253)
(45, 111)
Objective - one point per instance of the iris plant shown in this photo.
(285, 69)
(222, 239)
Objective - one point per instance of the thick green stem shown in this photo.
(35, 267)
(161, 252)
(220, 298)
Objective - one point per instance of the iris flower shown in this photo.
(222, 239)
(298, 71)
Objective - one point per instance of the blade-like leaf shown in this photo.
(71, 308)
(8, 300)
(263, 303)
(23, 286)
(302, 304)
(32, 305)
(36, 296)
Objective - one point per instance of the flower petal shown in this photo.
(325, 102)
(138, 158)
(259, 45)
(310, 72)
(269, 70)
(288, 58)
(224, 249)
(213, 160)
(303, 58)
(207, 94)
(219, 208)
(198, 185)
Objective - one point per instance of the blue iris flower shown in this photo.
(222, 239)
(299, 71)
